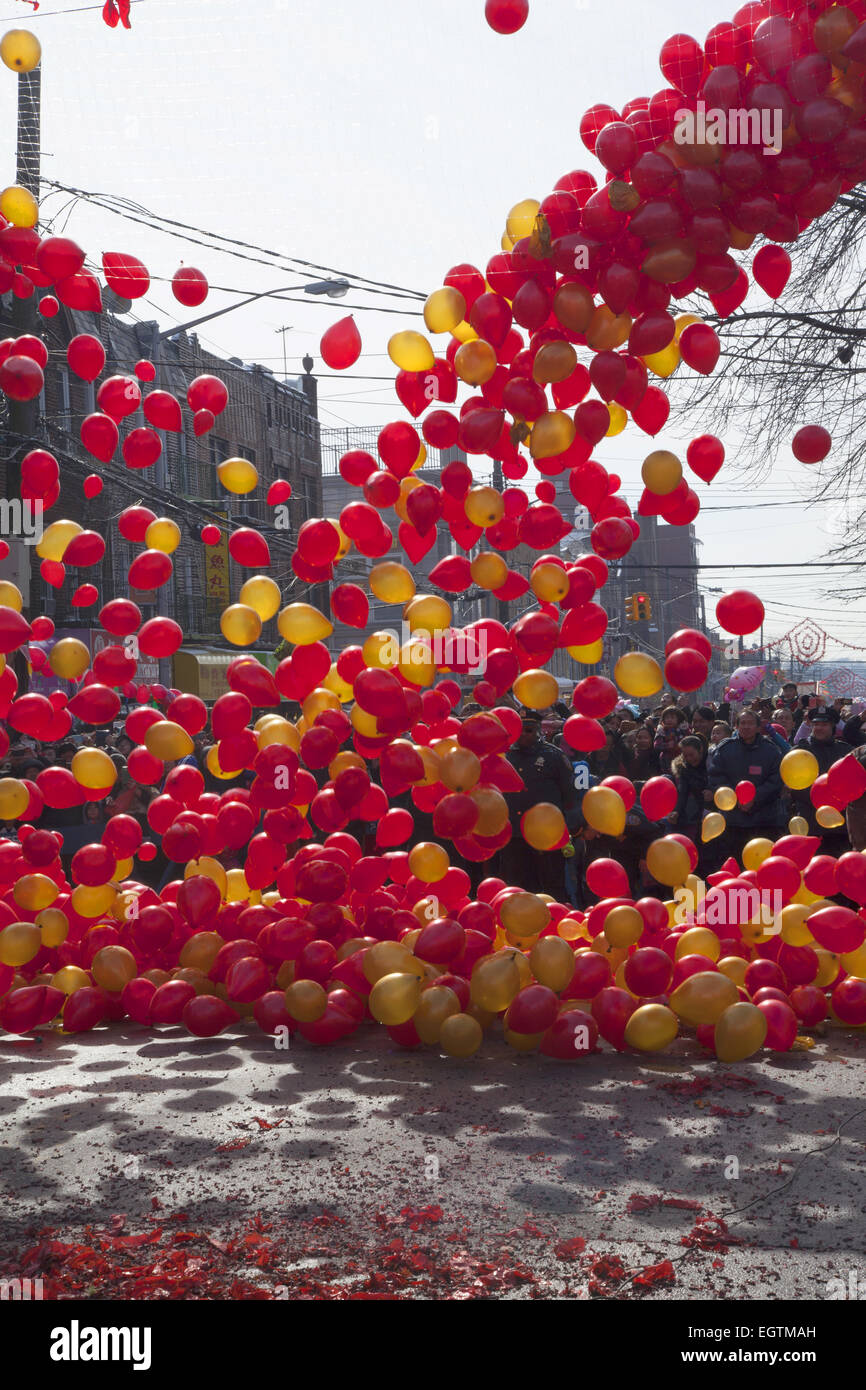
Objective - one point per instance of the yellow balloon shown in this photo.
(623, 926)
(661, 472)
(55, 539)
(712, 826)
(411, 352)
(306, 1001)
(618, 419)
(416, 663)
(795, 930)
(19, 206)
(240, 624)
(10, 596)
(698, 941)
(524, 914)
(551, 961)
(237, 888)
(483, 506)
(69, 658)
(113, 967)
(668, 862)
(536, 689)
(465, 333)
(607, 330)
(551, 434)
(20, 50)
(162, 534)
(475, 362)
(799, 768)
(543, 826)
(428, 612)
(19, 943)
(739, 1032)
(798, 825)
(429, 862)
(735, 968)
(495, 981)
(460, 1035)
(459, 769)
(394, 998)
(168, 741)
(444, 309)
(492, 810)
(435, 1005)
(756, 851)
(92, 768)
(54, 927)
(855, 962)
(237, 475)
(381, 649)
(682, 322)
(388, 958)
(703, 998)
(93, 902)
(549, 582)
(638, 674)
(604, 810)
(392, 583)
(725, 798)
(302, 624)
(829, 818)
(70, 978)
(663, 363)
(589, 654)
(520, 221)
(262, 594)
(334, 681)
(489, 570)
(651, 1028)
(554, 361)
(14, 798)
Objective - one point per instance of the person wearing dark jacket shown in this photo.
(827, 749)
(640, 758)
(748, 757)
(547, 777)
(689, 771)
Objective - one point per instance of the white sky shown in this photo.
(386, 140)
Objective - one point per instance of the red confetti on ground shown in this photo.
(569, 1249)
(655, 1274)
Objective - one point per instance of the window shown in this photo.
(65, 420)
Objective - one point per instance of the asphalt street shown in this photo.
(363, 1166)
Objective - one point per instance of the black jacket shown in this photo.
(733, 761)
(691, 785)
(548, 776)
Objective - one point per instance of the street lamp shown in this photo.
(334, 289)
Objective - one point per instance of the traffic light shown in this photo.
(638, 607)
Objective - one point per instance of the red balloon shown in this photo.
(248, 548)
(771, 269)
(506, 17)
(150, 570)
(740, 612)
(700, 347)
(686, 669)
(658, 798)
(189, 286)
(21, 378)
(340, 346)
(99, 435)
(811, 444)
(92, 485)
(133, 523)
(705, 456)
(162, 410)
(141, 447)
(125, 274)
(86, 356)
(207, 393)
(119, 396)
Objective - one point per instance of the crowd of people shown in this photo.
(700, 748)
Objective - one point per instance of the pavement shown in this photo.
(365, 1170)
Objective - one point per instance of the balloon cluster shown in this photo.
(560, 339)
